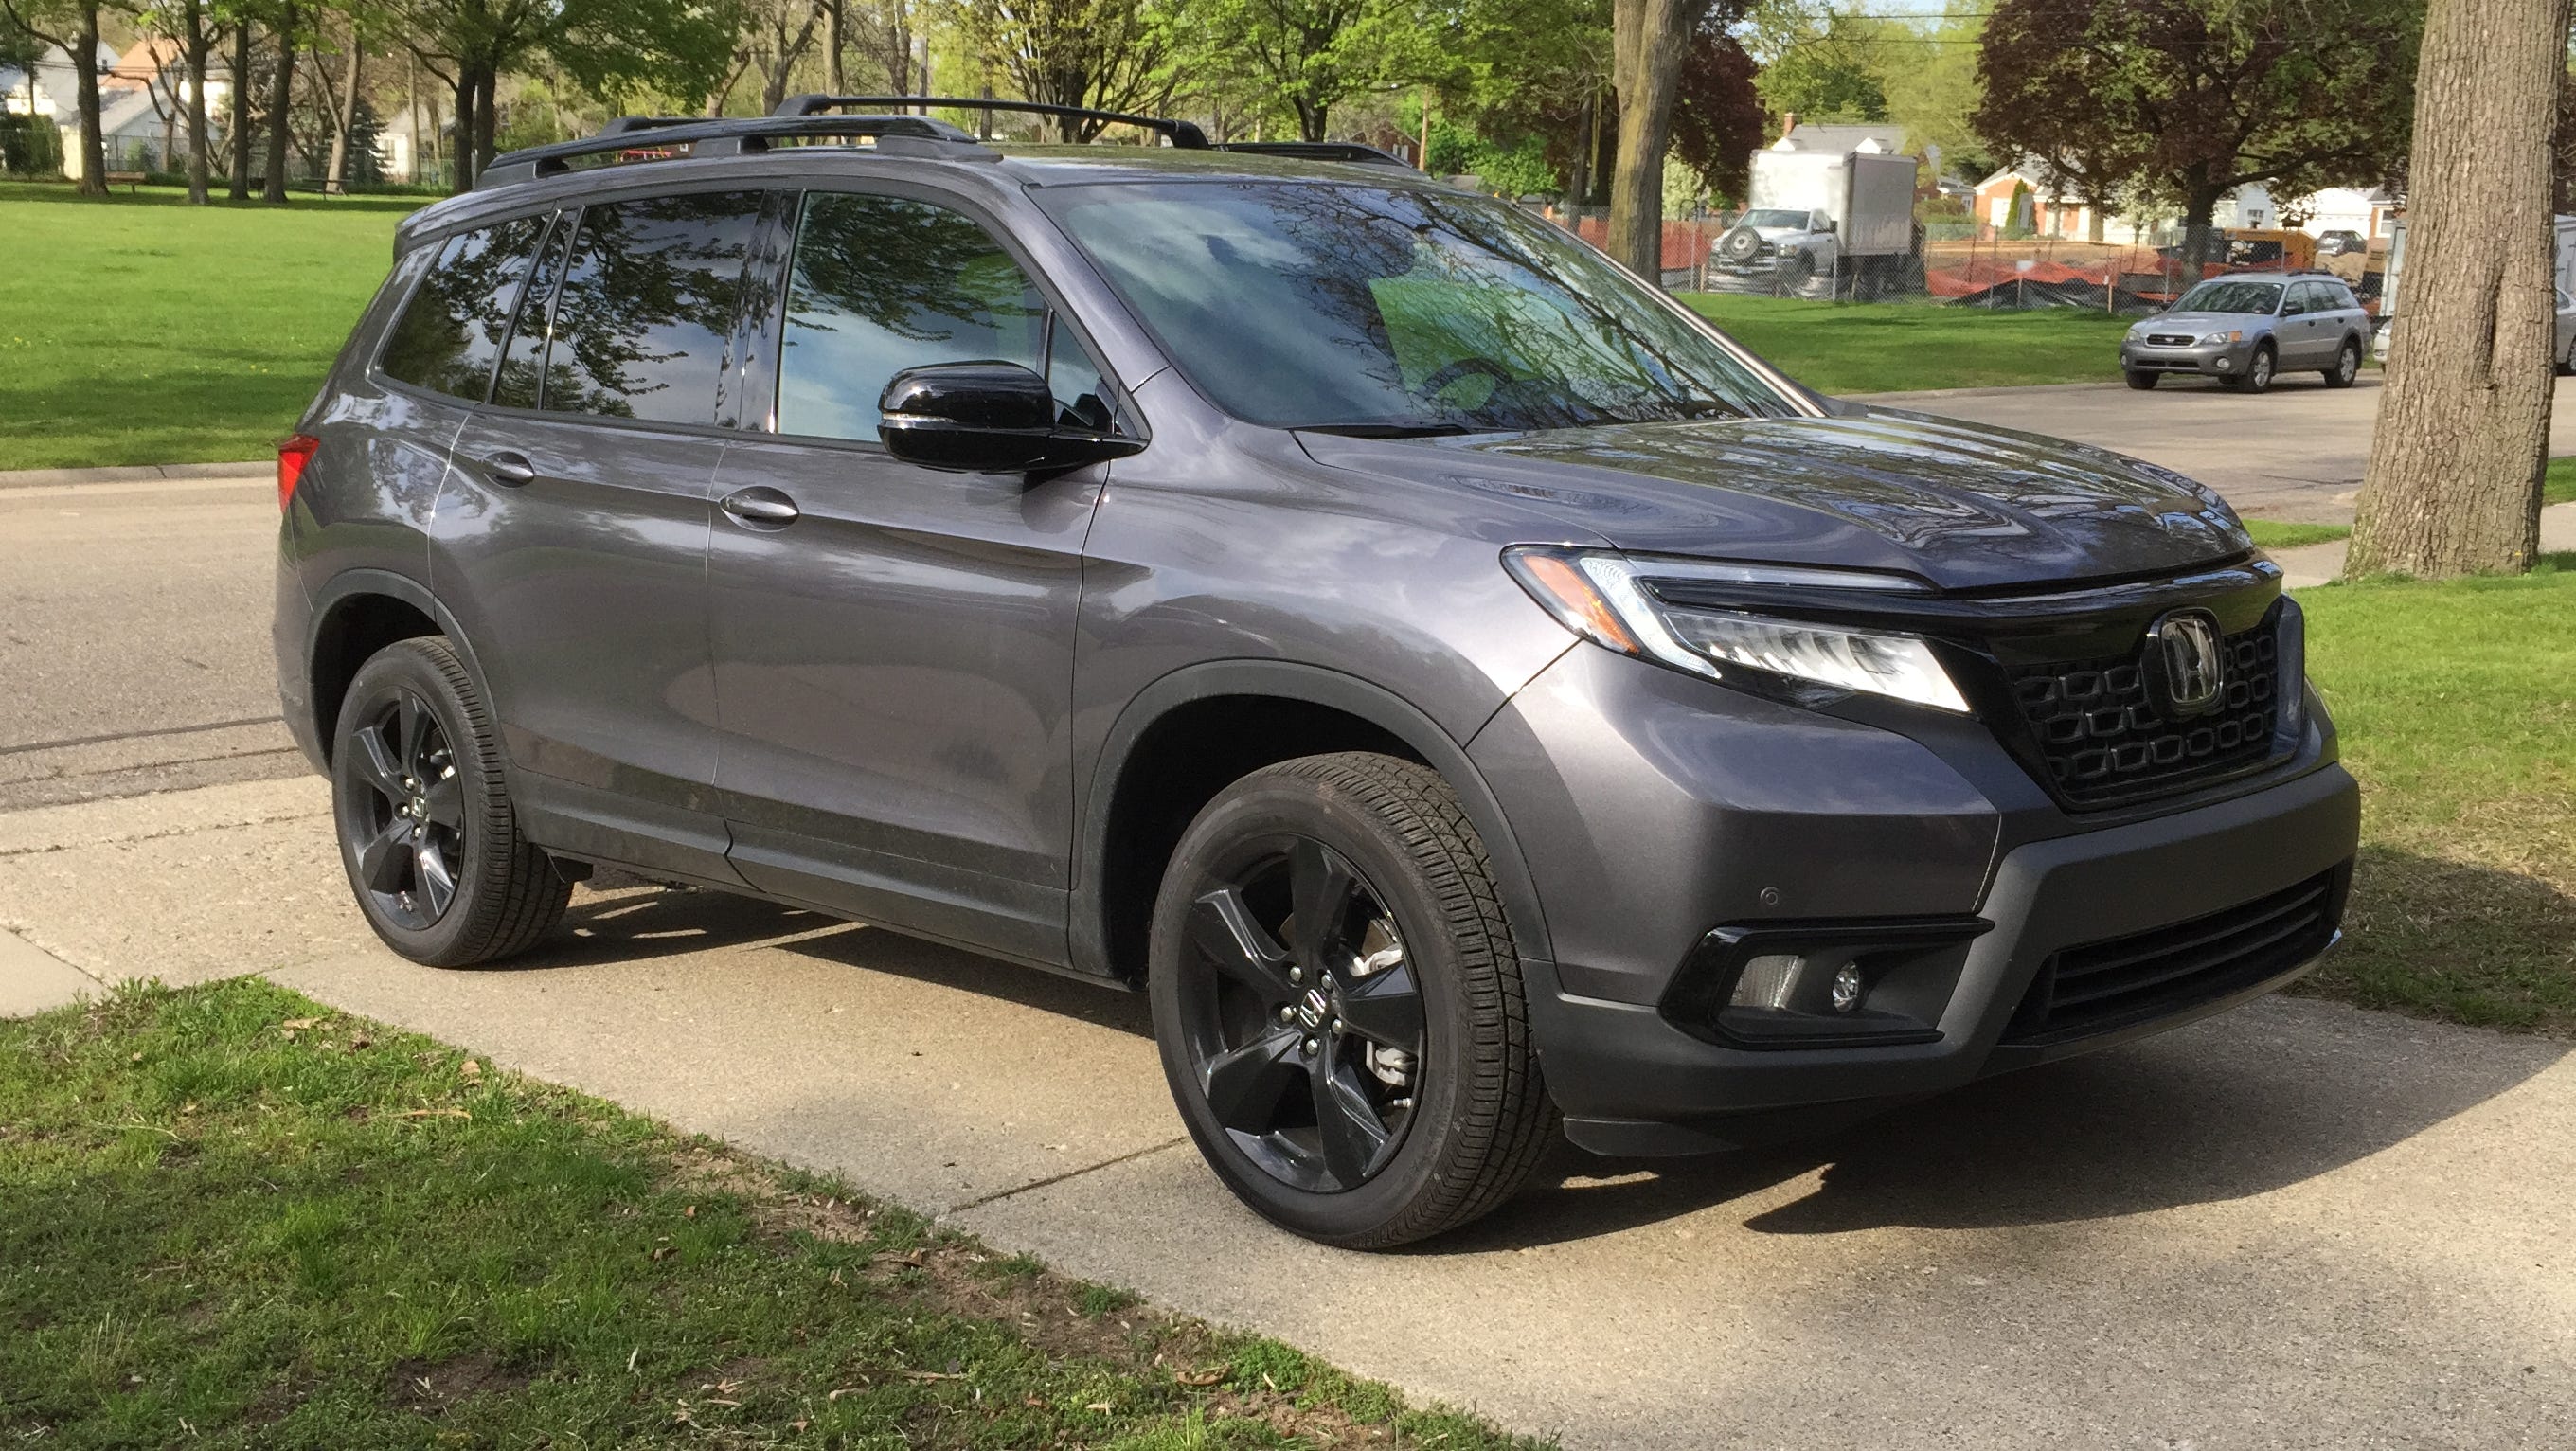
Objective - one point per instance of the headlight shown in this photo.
(1606, 598)
(2224, 337)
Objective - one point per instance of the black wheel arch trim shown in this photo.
(1088, 931)
(350, 584)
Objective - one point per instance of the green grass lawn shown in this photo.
(230, 1218)
(2277, 534)
(2457, 703)
(1891, 347)
(141, 330)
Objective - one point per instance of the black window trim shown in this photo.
(762, 369)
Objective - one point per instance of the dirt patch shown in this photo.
(428, 1388)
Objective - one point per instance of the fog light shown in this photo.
(1847, 988)
(2224, 365)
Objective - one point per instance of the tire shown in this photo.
(2140, 381)
(2567, 360)
(2347, 365)
(457, 886)
(1265, 1025)
(2257, 377)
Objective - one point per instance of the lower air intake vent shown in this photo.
(2102, 986)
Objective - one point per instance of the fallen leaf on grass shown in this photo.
(298, 1025)
(844, 1391)
(889, 1257)
(928, 1375)
(1101, 1406)
(435, 1113)
(470, 1068)
(1199, 1377)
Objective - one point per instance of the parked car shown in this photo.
(1463, 690)
(2337, 242)
(1793, 245)
(2245, 328)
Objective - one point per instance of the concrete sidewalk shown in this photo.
(2315, 564)
(2298, 1225)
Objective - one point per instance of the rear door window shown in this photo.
(646, 307)
(880, 284)
(451, 330)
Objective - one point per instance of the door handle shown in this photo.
(509, 469)
(761, 508)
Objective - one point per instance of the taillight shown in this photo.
(292, 456)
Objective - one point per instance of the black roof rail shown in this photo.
(722, 138)
(1319, 151)
(1180, 133)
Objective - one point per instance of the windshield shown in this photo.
(1773, 217)
(2231, 297)
(1385, 311)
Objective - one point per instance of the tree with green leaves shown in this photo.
(72, 25)
(1821, 62)
(1316, 54)
(2192, 99)
(1107, 55)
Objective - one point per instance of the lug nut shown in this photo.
(1337, 1025)
(1312, 1046)
(1296, 974)
(1287, 1014)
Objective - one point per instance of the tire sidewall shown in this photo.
(1271, 805)
(407, 666)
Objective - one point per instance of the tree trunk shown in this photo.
(281, 101)
(2454, 480)
(2197, 212)
(1648, 39)
(201, 45)
(460, 176)
(487, 116)
(344, 119)
(835, 38)
(239, 139)
(1311, 119)
(93, 144)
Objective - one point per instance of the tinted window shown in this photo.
(524, 360)
(880, 284)
(451, 330)
(646, 306)
(1392, 309)
(2225, 296)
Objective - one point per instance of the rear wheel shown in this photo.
(2141, 381)
(1338, 1003)
(2567, 359)
(2347, 365)
(426, 829)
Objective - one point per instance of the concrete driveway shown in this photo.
(2297, 452)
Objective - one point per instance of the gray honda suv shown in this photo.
(1465, 692)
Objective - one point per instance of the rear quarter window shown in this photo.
(451, 331)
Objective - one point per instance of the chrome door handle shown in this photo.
(509, 470)
(761, 508)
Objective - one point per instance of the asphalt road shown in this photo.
(2297, 452)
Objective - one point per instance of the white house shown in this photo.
(142, 103)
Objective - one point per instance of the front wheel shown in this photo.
(2347, 365)
(2257, 377)
(2140, 380)
(426, 829)
(1339, 1007)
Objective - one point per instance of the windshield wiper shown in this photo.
(1395, 430)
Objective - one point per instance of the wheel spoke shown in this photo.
(382, 859)
(1320, 885)
(1244, 1085)
(446, 802)
(377, 761)
(429, 869)
(412, 720)
(1222, 928)
(1347, 1125)
(1385, 1007)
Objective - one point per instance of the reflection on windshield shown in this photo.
(2231, 297)
(1385, 311)
(1773, 217)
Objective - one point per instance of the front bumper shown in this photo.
(1652, 808)
(2216, 360)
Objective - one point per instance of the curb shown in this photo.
(134, 474)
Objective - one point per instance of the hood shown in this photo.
(2201, 322)
(1963, 507)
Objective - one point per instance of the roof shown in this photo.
(1839, 139)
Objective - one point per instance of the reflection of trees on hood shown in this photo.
(645, 275)
(455, 323)
(918, 271)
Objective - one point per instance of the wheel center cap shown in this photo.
(1314, 1008)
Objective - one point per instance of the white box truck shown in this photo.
(1819, 219)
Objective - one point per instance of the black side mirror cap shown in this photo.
(985, 417)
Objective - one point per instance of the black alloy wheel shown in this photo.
(410, 818)
(1306, 1038)
(429, 837)
(1338, 1003)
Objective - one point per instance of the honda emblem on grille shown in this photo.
(2185, 665)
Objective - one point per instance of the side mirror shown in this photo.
(989, 417)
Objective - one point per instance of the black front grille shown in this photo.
(2103, 986)
(2103, 742)
(2167, 340)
